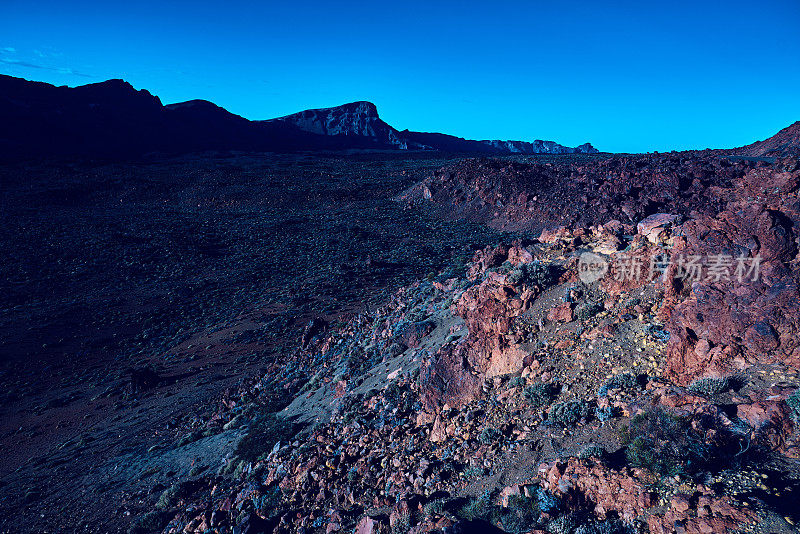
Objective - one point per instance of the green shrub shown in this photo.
(711, 386)
(540, 394)
(171, 495)
(152, 521)
(665, 444)
(793, 401)
(490, 435)
(613, 526)
(434, 508)
(569, 412)
(517, 381)
(588, 310)
(624, 381)
(481, 507)
(564, 524)
(592, 451)
(520, 516)
(262, 436)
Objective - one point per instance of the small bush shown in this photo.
(712, 386)
(569, 412)
(613, 526)
(588, 310)
(605, 414)
(150, 522)
(540, 394)
(564, 524)
(481, 507)
(262, 436)
(520, 516)
(540, 274)
(592, 451)
(793, 401)
(434, 508)
(170, 496)
(624, 381)
(490, 435)
(548, 503)
(664, 444)
(517, 381)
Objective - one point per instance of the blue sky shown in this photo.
(627, 76)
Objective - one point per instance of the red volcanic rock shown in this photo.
(367, 525)
(561, 313)
(518, 255)
(785, 142)
(653, 227)
(486, 259)
(748, 310)
(607, 490)
(770, 417)
(550, 236)
(446, 378)
(572, 194)
(411, 334)
(626, 493)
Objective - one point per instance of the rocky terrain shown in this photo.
(540, 339)
(784, 143)
(521, 390)
(135, 294)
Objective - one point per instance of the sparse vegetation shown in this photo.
(624, 381)
(793, 401)
(150, 522)
(661, 442)
(481, 507)
(540, 394)
(569, 412)
(262, 435)
(711, 386)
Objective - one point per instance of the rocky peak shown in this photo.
(353, 119)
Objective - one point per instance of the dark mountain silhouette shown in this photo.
(112, 119)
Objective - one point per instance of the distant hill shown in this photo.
(112, 119)
(784, 143)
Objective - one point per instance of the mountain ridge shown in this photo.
(113, 119)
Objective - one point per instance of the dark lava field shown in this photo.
(133, 293)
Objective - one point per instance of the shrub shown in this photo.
(664, 444)
(262, 436)
(434, 508)
(480, 507)
(540, 394)
(564, 524)
(592, 451)
(520, 516)
(548, 503)
(793, 401)
(490, 435)
(517, 381)
(170, 496)
(150, 522)
(569, 412)
(541, 274)
(624, 381)
(588, 310)
(604, 414)
(613, 526)
(712, 386)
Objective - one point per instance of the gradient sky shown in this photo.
(627, 76)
